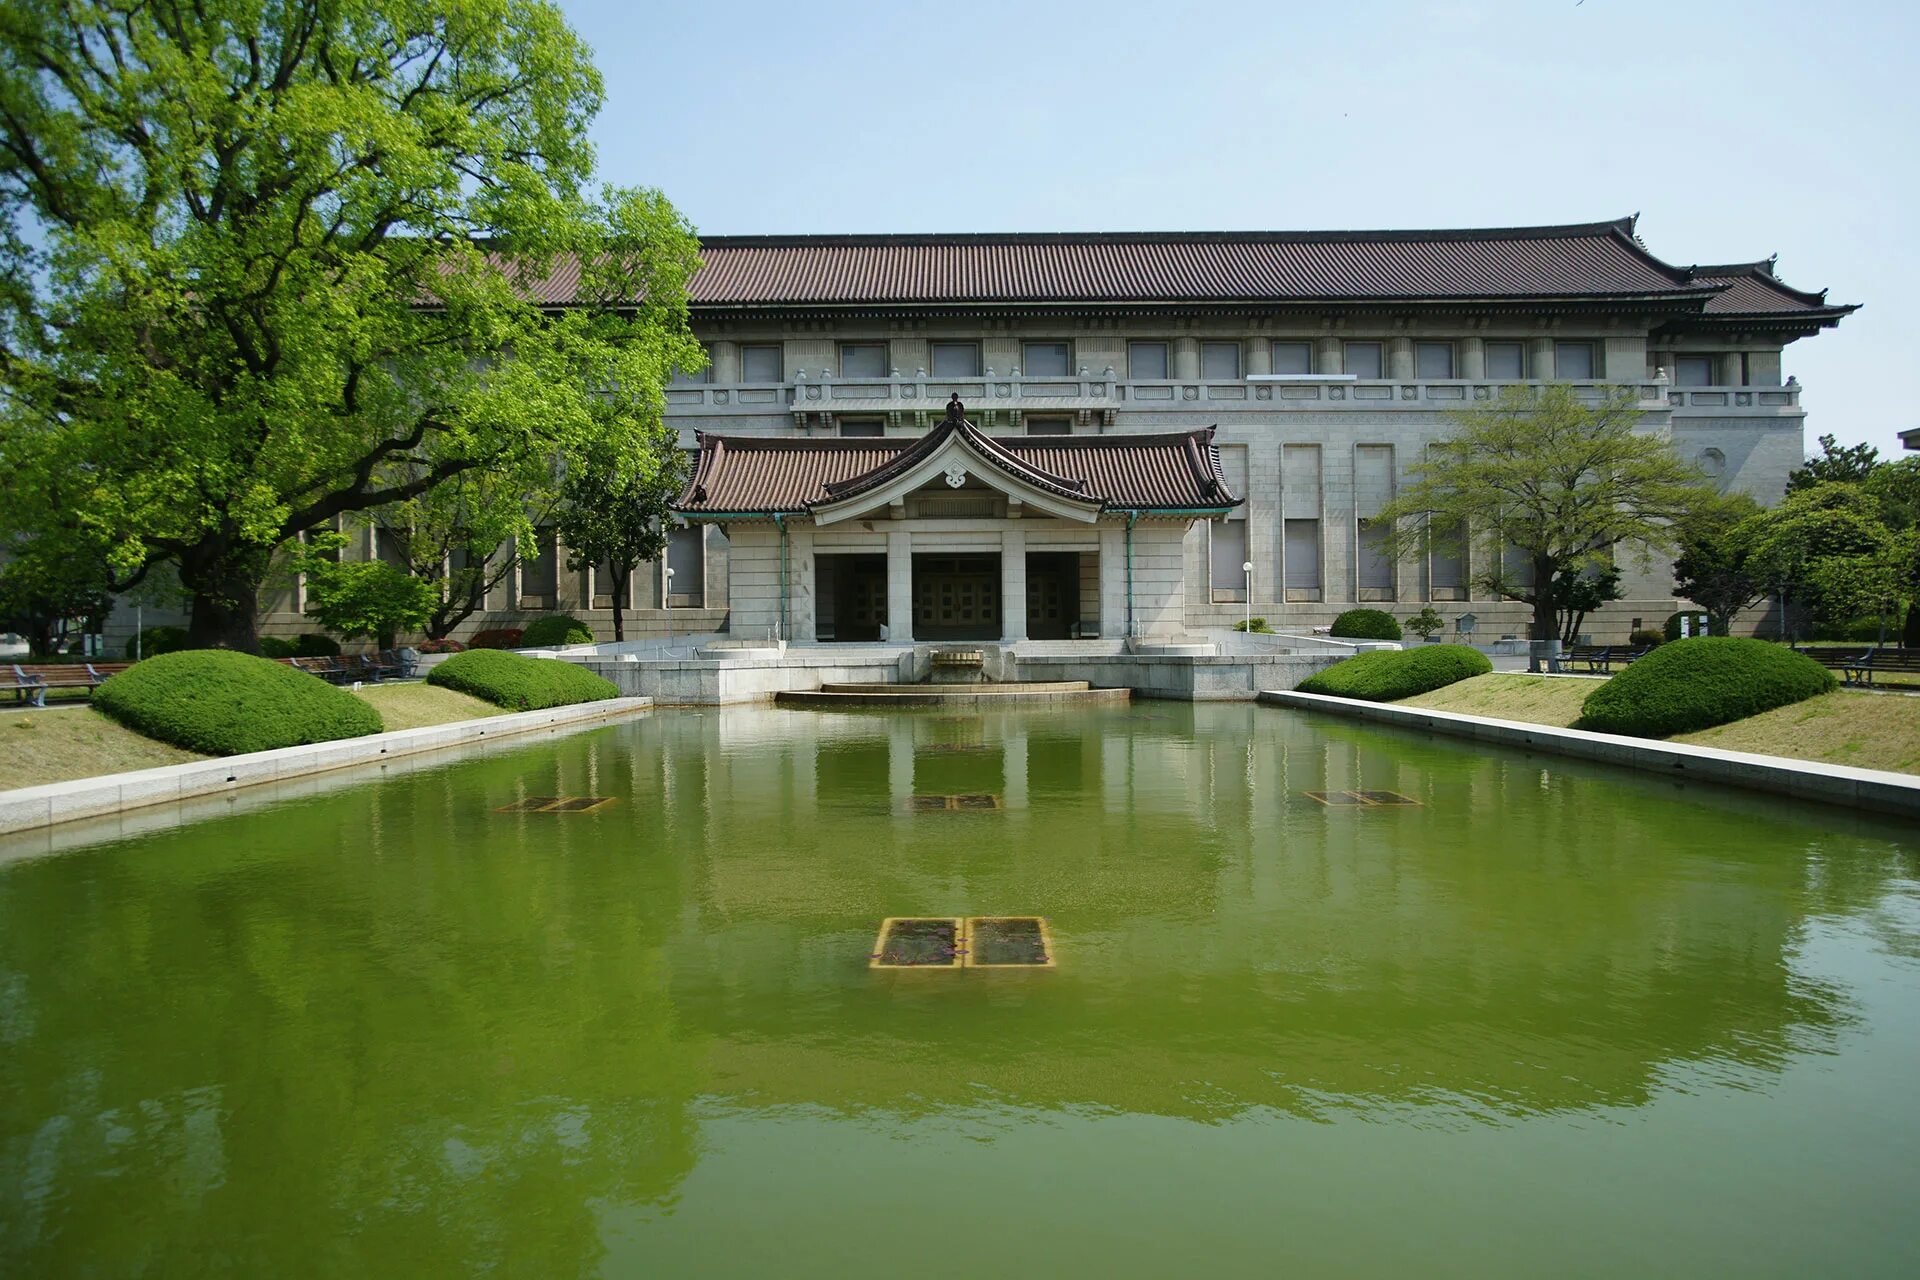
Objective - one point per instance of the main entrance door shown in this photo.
(956, 597)
(1053, 594)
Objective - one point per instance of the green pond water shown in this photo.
(1549, 1020)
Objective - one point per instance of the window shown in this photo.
(1573, 361)
(1049, 427)
(691, 378)
(1447, 562)
(1713, 462)
(1693, 371)
(1146, 360)
(1433, 360)
(954, 359)
(1045, 359)
(1507, 361)
(862, 427)
(762, 363)
(1229, 543)
(603, 587)
(1376, 567)
(863, 359)
(1220, 360)
(1363, 359)
(390, 547)
(1293, 357)
(687, 562)
(539, 572)
(1303, 559)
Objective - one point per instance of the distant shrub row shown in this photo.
(1387, 675)
(1366, 624)
(1699, 683)
(520, 683)
(554, 630)
(496, 638)
(224, 703)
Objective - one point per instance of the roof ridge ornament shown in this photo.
(956, 412)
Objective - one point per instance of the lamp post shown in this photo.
(666, 600)
(1247, 569)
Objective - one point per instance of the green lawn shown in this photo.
(1865, 730)
(64, 743)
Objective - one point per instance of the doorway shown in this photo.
(1053, 594)
(956, 597)
(852, 596)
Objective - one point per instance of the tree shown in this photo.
(1558, 482)
(1715, 567)
(266, 265)
(368, 598)
(1828, 546)
(1834, 465)
(613, 513)
(463, 536)
(38, 592)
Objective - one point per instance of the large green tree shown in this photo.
(613, 516)
(1830, 547)
(265, 264)
(1715, 567)
(1552, 481)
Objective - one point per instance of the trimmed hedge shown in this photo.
(312, 644)
(157, 640)
(1647, 638)
(224, 703)
(496, 638)
(1387, 675)
(1695, 684)
(520, 683)
(1366, 624)
(555, 629)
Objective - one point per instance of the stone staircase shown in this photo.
(951, 695)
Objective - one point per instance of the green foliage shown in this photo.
(555, 629)
(277, 647)
(367, 598)
(464, 535)
(1832, 548)
(225, 703)
(1256, 625)
(1670, 629)
(1715, 567)
(1553, 480)
(1426, 622)
(1387, 675)
(157, 640)
(1834, 464)
(614, 514)
(1856, 631)
(1647, 638)
(1366, 624)
(312, 644)
(520, 683)
(1696, 684)
(217, 227)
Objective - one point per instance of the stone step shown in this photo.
(951, 695)
(1028, 686)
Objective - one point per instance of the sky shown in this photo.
(1736, 131)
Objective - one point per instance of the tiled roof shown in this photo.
(1751, 289)
(764, 475)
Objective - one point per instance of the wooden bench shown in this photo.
(355, 666)
(1859, 666)
(1601, 657)
(30, 683)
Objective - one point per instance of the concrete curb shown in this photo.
(32, 807)
(1872, 789)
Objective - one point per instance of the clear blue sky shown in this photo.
(1736, 130)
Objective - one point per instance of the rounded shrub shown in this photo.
(1387, 675)
(1647, 638)
(277, 647)
(1366, 624)
(157, 640)
(1699, 683)
(520, 683)
(496, 638)
(555, 629)
(1672, 629)
(224, 703)
(312, 644)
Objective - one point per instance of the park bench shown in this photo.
(1601, 657)
(1859, 666)
(30, 683)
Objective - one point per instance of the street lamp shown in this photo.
(1247, 569)
(667, 600)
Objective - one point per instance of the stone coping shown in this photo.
(55, 802)
(1871, 789)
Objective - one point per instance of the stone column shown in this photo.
(1186, 358)
(900, 586)
(1013, 585)
(726, 361)
(1728, 372)
(1473, 358)
(1259, 355)
(1400, 359)
(1540, 359)
(1329, 357)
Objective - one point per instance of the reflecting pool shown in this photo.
(1546, 1019)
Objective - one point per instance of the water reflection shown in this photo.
(393, 1023)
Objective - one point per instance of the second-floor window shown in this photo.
(862, 427)
(1507, 361)
(863, 359)
(1146, 360)
(1693, 371)
(762, 362)
(1220, 360)
(954, 359)
(1045, 359)
(1433, 359)
(1363, 359)
(1049, 426)
(689, 378)
(1573, 361)
(1293, 357)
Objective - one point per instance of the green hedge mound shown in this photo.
(1387, 675)
(520, 683)
(1366, 624)
(224, 703)
(555, 629)
(1696, 684)
(155, 641)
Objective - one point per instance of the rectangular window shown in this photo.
(1220, 360)
(862, 427)
(1693, 371)
(1229, 541)
(1303, 559)
(1049, 426)
(1146, 361)
(1293, 357)
(762, 362)
(539, 572)
(1506, 361)
(1447, 562)
(1432, 360)
(1375, 567)
(1363, 359)
(863, 359)
(695, 377)
(603, 588)
(390, 546)
(1045, 359)
(1573, 361)
(954, 359)
(687, 561)
(1516, 568)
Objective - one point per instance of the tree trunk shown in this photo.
(621, 576)
(224, 585)
(1910, 635)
